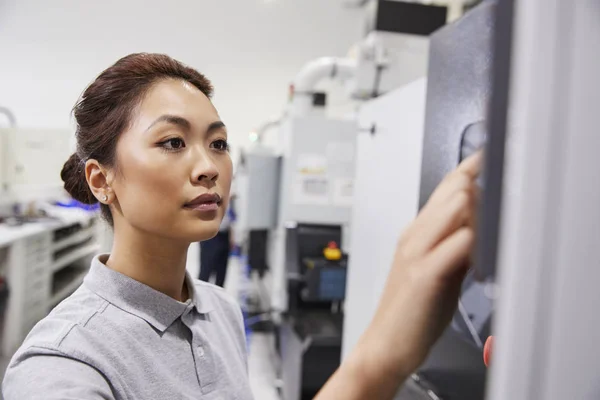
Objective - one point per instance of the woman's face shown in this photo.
(173, 166)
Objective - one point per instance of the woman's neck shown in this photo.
(154, 261)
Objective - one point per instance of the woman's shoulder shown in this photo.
(75, 311)
(52, 336)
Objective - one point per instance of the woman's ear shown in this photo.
(97, 179)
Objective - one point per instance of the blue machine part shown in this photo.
(332, 285)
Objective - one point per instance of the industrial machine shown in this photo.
(535, 267)
(296, 198)
(30, 164)
(311, 336)
(296, 208)
(429, 135)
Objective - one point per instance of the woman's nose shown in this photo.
(205, 169)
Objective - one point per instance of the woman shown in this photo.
(153, 151)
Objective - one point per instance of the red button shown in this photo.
(487, 351)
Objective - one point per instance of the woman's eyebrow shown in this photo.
(215, 126)
(172, 119)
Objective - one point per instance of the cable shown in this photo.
(470, 326)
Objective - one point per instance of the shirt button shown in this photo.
(201, 351)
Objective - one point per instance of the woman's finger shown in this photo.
(417, 238)
(466, 172)
(453, 185)
(471, 165)
(450, 257)
(432, 227)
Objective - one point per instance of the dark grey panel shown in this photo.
(458, 95)
(458, 91)
(489, 218)
(455, 369)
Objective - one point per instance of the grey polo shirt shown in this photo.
(116, 338)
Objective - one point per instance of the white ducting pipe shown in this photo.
(9, 116)
(312, 73)
(257, 136)
(266, 126)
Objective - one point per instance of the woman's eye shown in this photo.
(220, 145)
(173, 144)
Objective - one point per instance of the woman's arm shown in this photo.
(421, 292)
(364, 375)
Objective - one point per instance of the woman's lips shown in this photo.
(205, 202)
(203, 207)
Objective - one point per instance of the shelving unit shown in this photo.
(43, 263)
(73, 256)
(63, 287)
(79, 237)
(72, 249)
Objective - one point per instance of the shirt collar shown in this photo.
(136, 298)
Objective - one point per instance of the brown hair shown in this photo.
(104, 111)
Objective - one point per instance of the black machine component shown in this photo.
(458, 95)
(311, 335)
(4, 299)
(408, 18)
(319, 99)
(313, 281)
(257, 251)
(325, 280)
(307, 240)
(310, 351)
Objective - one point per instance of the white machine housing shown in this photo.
(317, 170)
(311, 182)
(257, 189)
(386, 61)
(30, 163)
(316, 184)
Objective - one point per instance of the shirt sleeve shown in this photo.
(54, 377)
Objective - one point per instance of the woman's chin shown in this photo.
(204, 234)
(198, 230)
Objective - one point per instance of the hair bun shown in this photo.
(73, 175)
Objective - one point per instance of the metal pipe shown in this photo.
(312, 73)
(10, 116)
(325, 67)
(264, 127)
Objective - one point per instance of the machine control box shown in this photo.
(325, 280)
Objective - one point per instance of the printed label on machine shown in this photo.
(311, 186)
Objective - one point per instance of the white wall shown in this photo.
(250, 49)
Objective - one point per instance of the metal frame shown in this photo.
(548, 252)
